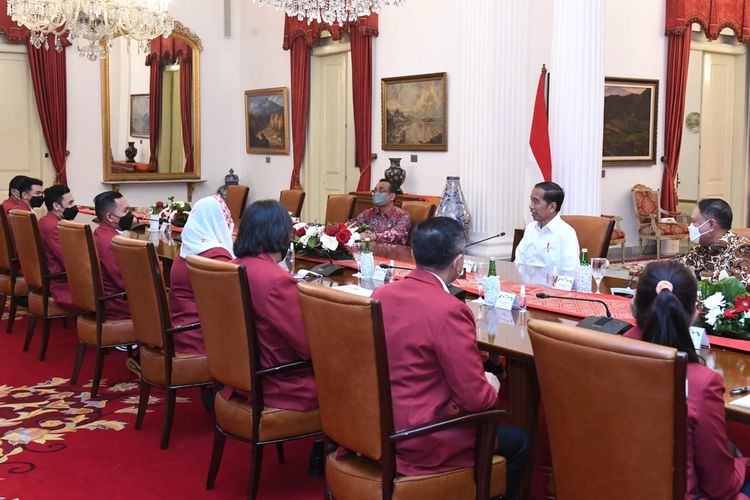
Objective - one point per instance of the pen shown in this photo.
(739, 390)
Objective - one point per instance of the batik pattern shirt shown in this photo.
(731, 254)
(392, 227)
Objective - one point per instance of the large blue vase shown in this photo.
(453, 203)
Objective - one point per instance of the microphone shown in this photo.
(602, 324)
(498, 235)
(388, 266)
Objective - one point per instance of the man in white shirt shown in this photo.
(548, 241)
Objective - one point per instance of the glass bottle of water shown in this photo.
(491, 285)
(367, 262)
(583, 278)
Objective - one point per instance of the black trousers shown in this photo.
(513, 444)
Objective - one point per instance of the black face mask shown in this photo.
(126, 221)
(36, 201)
(70, 213)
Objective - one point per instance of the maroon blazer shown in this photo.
(435, 370)
(9, 204)
(111, 277)
(55, 264)
(182, 302)
(281, 333)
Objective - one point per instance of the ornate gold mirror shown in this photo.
(151, 109)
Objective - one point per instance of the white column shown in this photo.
(577, 102)
(493, 117)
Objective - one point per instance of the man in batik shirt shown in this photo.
(718, 248)
(386, 223)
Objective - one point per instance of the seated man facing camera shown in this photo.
(386, 222)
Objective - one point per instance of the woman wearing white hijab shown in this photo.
(208, 233)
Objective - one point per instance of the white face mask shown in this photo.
(695, 232)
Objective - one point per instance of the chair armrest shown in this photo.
(60, 274)
(439, 425)
(284, 368)
(617, 218)
(121, 295)
(183, 328)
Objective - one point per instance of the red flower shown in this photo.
(159, 204)
(330, 230)
(341, 226)
(742, 303)
(343, 236)
(300, 232)
(732, 313)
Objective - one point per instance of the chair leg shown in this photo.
(11, 313)
(168, 417)
(29, 333)
(216, 453)
(97, 370)
(257, 462)
(45, 338)
(142, 403)
(78, 363)
(658, 250)
(623, 252)
(3, 300)
(280, 453)
(65, 323)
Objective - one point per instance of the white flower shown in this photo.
(715, 301)
(723, 274)
(329, 242)
(299, 225)
(712, 314)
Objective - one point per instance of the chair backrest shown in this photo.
(646, 202)
(339, 207)
(7, 248)
(236, 201)
(28, 242)
(292, 200)
(351, 368)
(225, 311)
(82, 264)
(418, 211)
(594, 233)
(517, 237)
(742, 231)
(616, 413)
(145, 288)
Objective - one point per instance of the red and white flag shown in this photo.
(539, 137)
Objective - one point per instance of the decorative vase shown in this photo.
(130, 152)
(395, 174)
(453, 203)
(153, 223)
(231, 179)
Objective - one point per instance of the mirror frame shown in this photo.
(180, 31)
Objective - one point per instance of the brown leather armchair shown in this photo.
(616, 413)
(292, 200)
(12, 284)
(236, 201)
(226, 315)
(161, 366)
(85, 281)
(34, 263)
(339, 207)
(418, 211)
(593, 232)
(354, 392)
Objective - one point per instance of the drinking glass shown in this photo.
(356, 249)
(479, 275)
(598, 268)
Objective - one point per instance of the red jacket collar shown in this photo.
(425, 277)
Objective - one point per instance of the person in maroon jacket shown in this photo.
(664, 306)
(114, 218)
(30, 191)
(435, 366)
(60, 205)
(14, 195)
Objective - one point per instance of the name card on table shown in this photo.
(563, 283)
(699, 337)
(506, 301)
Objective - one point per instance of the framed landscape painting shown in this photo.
(267, 121)
(414, 113)
(139, 126)
(630, 112)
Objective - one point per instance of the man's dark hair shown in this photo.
(553, 193)
(265, 228)
(391, 187)
(27, 183)
(104, 203)
(54, 194)
(718, 210)
(15, 183)
(437, 241)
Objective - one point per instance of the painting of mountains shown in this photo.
(266, 121)
(414, 113)
(630, 121)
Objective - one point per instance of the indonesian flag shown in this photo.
(539, 137)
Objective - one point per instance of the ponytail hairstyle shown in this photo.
(665, 304)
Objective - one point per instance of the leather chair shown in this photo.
(594, 233)
(292, 200)
(616, 413)
(226, 315)
(354, 391)
(339, 207)
(517, 237)
(418, 211)
(12, 284)
(87, 289)
(649, 213)
(618, 234)
(161, 366)
(236, 201)
(34, 263)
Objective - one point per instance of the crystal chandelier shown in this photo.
(329, 11)
(92, 24)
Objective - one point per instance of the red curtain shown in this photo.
(12, 31)
(362, 96)
(712, 15)
(300, 63)
(48, 75)
(678, 57)
(153, 60)
(186, 109)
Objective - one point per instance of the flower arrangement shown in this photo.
(331, 241)
(725, 307)
(174, 212)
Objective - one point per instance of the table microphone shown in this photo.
(604, 324)
(498, 235)
(388, 266)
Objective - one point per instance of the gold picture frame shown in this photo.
(631, 110)
(267, 121)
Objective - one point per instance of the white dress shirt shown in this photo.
(553, 246)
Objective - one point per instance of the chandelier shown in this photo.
(329, 11)
(92, 24)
